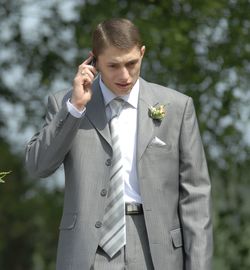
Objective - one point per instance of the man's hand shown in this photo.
(83, 80)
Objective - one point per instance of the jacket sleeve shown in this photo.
(47, 149)
(195, 195)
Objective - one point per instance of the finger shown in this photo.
(87, 78)
(86, 72)
(82, 67)
(88, 60)
(87, 69)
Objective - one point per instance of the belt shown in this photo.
(133, 209)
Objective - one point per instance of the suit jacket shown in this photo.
(173, 178)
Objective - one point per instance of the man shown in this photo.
(127, 145)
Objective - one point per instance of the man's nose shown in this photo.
(124, 73)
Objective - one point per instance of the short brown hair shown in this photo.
(117, 32)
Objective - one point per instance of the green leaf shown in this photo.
(2, 175)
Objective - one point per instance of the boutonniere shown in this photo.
(157, 112)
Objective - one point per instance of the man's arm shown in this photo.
(46, 150)
(195, 195)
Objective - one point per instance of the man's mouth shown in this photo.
(123, 85)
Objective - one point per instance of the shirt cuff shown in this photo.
(74, 111)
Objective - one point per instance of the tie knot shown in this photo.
(116, 106)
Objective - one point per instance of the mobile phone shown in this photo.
(93, 62)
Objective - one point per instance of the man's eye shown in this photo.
(113, 66)
(131, 64)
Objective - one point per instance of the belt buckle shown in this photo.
(133, 208)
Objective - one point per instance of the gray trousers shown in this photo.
(135, 255)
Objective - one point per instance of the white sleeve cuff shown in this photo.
(74, 111)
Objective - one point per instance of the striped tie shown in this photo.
(113, 236)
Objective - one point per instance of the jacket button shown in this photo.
(108, 162)
(104, 192)
(98, 224)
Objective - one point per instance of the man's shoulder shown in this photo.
(61, 96)
(164, 92)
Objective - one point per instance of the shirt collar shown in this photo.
(131, 98)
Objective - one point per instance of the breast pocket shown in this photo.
(160, 162)
(158, 155)
(157, 150)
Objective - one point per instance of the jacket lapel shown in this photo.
(96, 113)
(145, 123)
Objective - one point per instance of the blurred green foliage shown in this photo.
(2, 175)
(201, 48)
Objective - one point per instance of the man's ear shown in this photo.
(143, 49)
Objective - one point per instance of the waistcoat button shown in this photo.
(103, 192)
(108, 162)
(98, 224)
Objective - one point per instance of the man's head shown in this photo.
(119, 33)
(118, 50)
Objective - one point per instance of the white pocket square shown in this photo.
(157, 141)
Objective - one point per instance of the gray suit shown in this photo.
(173, 178)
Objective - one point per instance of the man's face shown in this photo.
(120, 69)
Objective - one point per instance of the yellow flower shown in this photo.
(157, 112)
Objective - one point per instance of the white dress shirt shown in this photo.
(127, 133)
